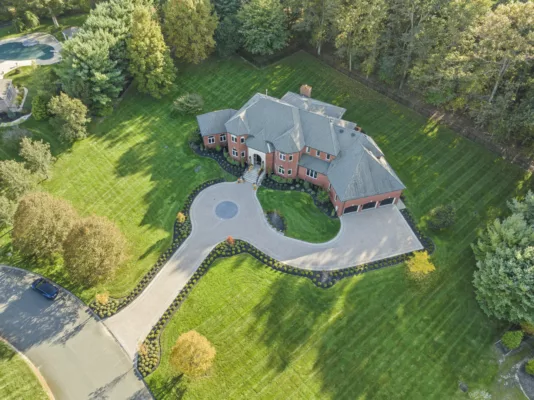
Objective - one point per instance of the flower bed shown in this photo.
(234, 169)
(150, 351)
(180, 232)
(298, 185)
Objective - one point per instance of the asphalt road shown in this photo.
(74, 352)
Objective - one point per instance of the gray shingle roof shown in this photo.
(270, 120)
(287, 125)
(361, 169)
(213, 122)
(312, 105)
(310, 162)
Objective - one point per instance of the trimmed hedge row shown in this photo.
(150, 352)
(180, 233)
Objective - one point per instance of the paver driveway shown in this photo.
(363, 237)
(74, 352)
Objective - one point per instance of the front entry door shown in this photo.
(257, 159)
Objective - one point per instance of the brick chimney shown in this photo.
(305, 90)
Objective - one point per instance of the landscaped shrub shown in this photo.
(218, 148)
(323, 196)
(102, 298)
(180, 217)
(192, 354)
(527, 328)
(230, 240)
(420, 266)
(530, 367)
(189, 103)
(441, 217)
(512, 339)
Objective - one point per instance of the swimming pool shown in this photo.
(17, 51)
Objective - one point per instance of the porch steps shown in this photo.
(251, 175)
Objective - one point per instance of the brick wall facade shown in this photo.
(240, 147)
(292, 165)
(217, 139)
(322, 180)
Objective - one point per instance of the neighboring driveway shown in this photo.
(74, 352)
(364, 237)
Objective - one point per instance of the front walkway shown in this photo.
(75, 353)
(363, 237)
(41, 38)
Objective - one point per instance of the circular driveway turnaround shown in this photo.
(364, 237)
(75, 353)
(226, 210)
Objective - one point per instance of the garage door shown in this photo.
(350, 209)
(371, 204)
(385, 202)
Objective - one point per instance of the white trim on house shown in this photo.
(211, 139)
(234, 139)
(281, 170)
(234, 152)
(252, 152)
(282, 156)
(223, 137)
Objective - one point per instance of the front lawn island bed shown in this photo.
(17, 380)
(303, 219)
(137, 168)
(276, 220)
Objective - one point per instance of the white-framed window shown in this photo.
(317, 153)
(311, 173)
(234, 152)
(337, 198)
(223, 137)
(289, 171)
(281, 170)
(308, 149)
(242, 139)
(242, 154)
(329, 186)
(282, 156)
(211, 139)
(327, 156)
(234, 139)
(291, 157)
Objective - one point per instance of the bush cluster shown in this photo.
(530, 367)
(512, 339)
(441, 217)
(189, 104)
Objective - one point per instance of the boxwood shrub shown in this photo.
(512, 339)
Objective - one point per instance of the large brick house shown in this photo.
(300, 137)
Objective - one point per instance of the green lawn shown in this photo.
(370, 337)
(303, 219)
(46, 26)
(136, 169)
(17, 380)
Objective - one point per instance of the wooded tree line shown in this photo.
(471, 56)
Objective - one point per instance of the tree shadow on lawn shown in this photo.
(288, 318)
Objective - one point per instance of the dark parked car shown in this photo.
(45, 288)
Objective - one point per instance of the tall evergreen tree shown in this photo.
(150, 61)
(189, 26)
(263, 26)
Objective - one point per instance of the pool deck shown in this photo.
(42, 38)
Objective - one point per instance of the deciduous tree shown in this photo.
(15, 179)
(7, 212)
(263, 26)
(37, 156)
(69, 117)
(227, 36)
(189, 26)
(94, 249)
(192, 354)
(41, 225)
(150, 60)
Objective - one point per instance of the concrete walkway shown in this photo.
(364, 237)
(74, 352)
